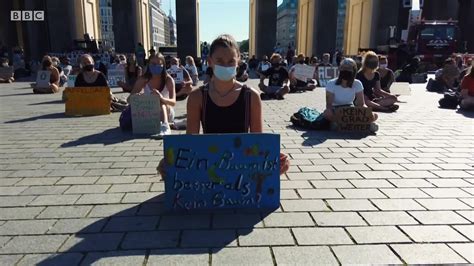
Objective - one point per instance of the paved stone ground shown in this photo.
(79, 191)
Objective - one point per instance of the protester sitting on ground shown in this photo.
(300, 85)
(467, 90)
(253, 63)
(375, 97)
(387, 77)
(264, 65)
(278, 80)
(6, 75)
(408, 70)
(446, 78)
(314, 62)
(192, 69)
(242, 74)
(53, 86)
(326, 60)
(66, 65)
(132, 72)
(62, 76)
(344, 90)
(156, 81)
(101, 66)
(224, 105)
(293, 61)
(182, 79)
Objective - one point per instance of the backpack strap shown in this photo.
(205, 93)
(248, 95)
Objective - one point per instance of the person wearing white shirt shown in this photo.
(192, 69)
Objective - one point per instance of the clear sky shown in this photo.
(219, 16)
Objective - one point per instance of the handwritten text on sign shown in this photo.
(304, 72)
(222, 171)
(354, 118)
(42, 79)
(145, 114)
(326, 74)
(114, 76)
(87, 101)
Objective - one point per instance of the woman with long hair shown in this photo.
(132, 72)
(53, 86)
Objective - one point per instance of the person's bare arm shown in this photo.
(171, 101)
(329, 100)
(55, 74)
(360, 99)
(379, 92)
(193, 110)
(139, 85)
(256, 120)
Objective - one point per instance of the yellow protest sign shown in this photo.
(87, 101)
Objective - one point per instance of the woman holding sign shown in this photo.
(225, 105)
(51, 86)
(158, 82)
(132, 72)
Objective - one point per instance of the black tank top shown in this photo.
(234, 118)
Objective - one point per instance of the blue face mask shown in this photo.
(225, 73)
(155, 69)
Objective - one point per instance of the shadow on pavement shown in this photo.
(313, 138)
(50, 102)
(150, 226)
(469, 114)
(18, 94)
(106, 137)
(46, 116)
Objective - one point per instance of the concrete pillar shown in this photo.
(265, 20)
(125, 25)
(187, 23)
(359, 26)
(466, 24)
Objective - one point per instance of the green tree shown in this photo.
(244, 46)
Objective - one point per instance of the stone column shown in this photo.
(187, 24)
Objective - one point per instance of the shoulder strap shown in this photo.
(248, 99)
(204, 91)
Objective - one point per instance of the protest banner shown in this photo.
(87, 101)
(400, 88)
(114, 76)
(354, 119)
(326, 74)
(71, 81)
(177, 74)
(227, 171)
(304, 72)
(42, 79)
(145, 114)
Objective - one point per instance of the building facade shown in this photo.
(341, 20)
(106, 23)
(157, 27)
(166, 24)
(173, 30)
(286, 23)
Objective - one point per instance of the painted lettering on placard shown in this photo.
(145, 114)
(222, 171)
(354, 118)
(326, 74)
(87, 101)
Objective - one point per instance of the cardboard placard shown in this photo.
(42, 79)
(6, 72)
(304, 72)
(354, 118)
(227, 171)
(145, 114)
(114, 76)
(177, 75)
(400, 88)
(87, 101)
(326, 74)
(71, 81)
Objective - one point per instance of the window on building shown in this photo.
(407, 3)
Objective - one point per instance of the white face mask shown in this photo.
(174, 67)
(383, 66)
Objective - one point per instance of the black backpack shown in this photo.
(450, 100)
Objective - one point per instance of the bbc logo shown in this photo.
(29, 15)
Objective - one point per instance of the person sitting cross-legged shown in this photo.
(467, 90)
(278, 80)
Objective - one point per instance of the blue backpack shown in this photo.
(310, 118)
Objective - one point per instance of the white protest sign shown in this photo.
(326, 74)
(177, 74)
(71, 81)
(114, 76)
(304, 72)
(400, 88)
(42, 79)
(265, 67)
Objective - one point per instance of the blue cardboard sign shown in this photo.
(228, 171)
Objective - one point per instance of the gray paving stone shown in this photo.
(282, 219)
(92, 242)
(373, 183)
(438, 217)
(351, 205)
(19, 213)
(295, 184)
(208, 238)
(237, 220)
(331, 184)
(9, 259)
(135, 257)
(243, 256)
(468, 215)
(38, 181)
(450, 182)
(377, 235)
(265, 237)
(465, 250)
(303, 205)
(84, 225)
(399, 193)
(48, 200)
(129, 188)
(15, 201)
(127, 224)
(304, 256)
(77, 180)
(415, 174)
(30, 173)
(452, 174)
(33, 244)
(342, 175)
(367, 254)
(466, 230)
(446, 192)
(443, 204)
(321, 236)
(288, 194)
(361, 193)
(427, 253)
(9, 181)
(379, 174)
(140, 197)
(433, 233)
(179, 257)
(388, 218)
(87, 189)
(337, 219)
(100, 198)
(51, 259)
(180, 222)
(45, 190)
(151, 240)
(10, 191)
(326, 193)
(397, 204)
(115, 210)
(26, 227)
(410, 183)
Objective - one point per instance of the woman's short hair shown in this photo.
(370, 55)
(190, 59)
(224, 41)
(275, 56)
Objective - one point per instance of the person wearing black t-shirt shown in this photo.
(278, 80)
(374, 96)
(242, 74)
